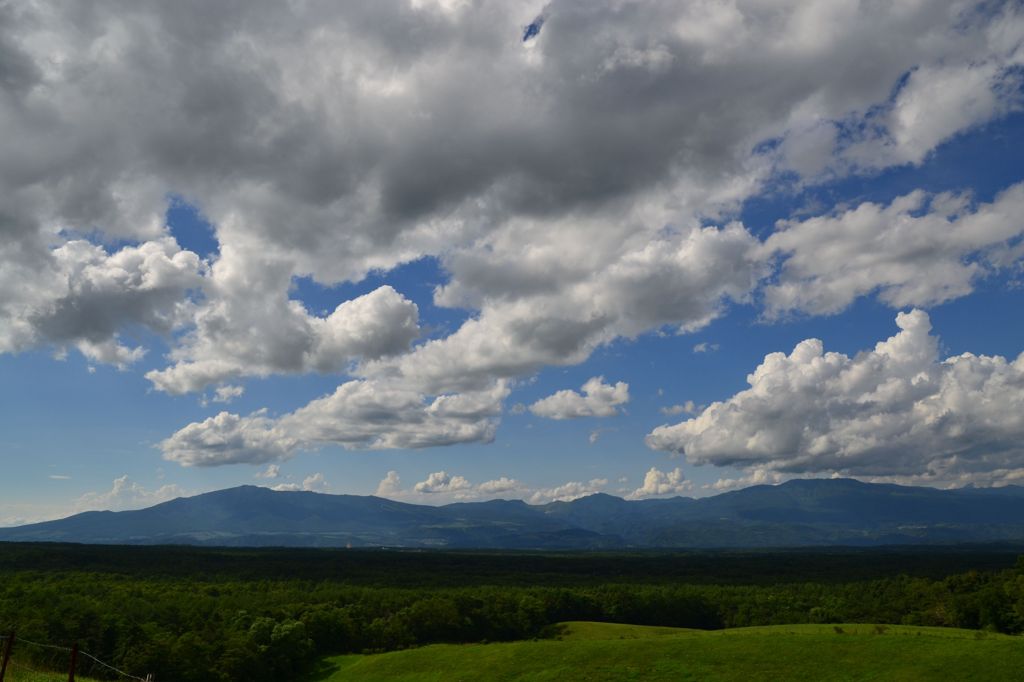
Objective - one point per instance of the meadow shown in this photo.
(605, 651)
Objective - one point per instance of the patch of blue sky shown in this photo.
(190, 228)
(532, 29)
(983, 161)
(280, 394)
(56, 423)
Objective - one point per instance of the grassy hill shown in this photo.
(603, 651)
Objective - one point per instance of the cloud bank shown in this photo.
(442, 487)
(896, 412)
(358, 415)
(918, 250)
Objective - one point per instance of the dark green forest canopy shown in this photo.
(459, 568)
(201, 614)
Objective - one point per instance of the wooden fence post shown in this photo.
(74, 662)
(7, 655)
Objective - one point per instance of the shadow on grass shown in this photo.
(326, 668)
(554, 631)
(323, 670)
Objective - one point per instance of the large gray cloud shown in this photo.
(896, 411)
(410, 127)
(81, 296)
(252, 332)
(681, 280)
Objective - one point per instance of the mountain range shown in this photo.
(809, 512)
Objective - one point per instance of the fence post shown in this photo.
(74, 662)
(7, 655)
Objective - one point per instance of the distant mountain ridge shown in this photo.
(804, 512)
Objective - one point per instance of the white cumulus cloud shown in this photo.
(442, 482)
(229, 439)
(897, 410)
(566, 492)
(498, 486)
(689, 407)
(390, 485)
(757, 476)
(225, 394)
(918, 250)
(127, 494)
(246, 331)
(598, 399)
(313, 483)
(272, 471)
(658, 483)
(358, 415)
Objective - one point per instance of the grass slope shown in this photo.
(604, 651)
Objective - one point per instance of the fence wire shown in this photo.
(32, 661)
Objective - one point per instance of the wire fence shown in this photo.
(24, 660)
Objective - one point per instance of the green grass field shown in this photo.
(21, 674)
(604, 651)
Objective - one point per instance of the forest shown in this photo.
(198, 614)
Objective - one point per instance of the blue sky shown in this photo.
(397, 278)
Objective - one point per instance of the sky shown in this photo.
(446, 250)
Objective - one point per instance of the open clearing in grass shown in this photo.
(606, 651)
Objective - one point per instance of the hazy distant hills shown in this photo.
(800, 512)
